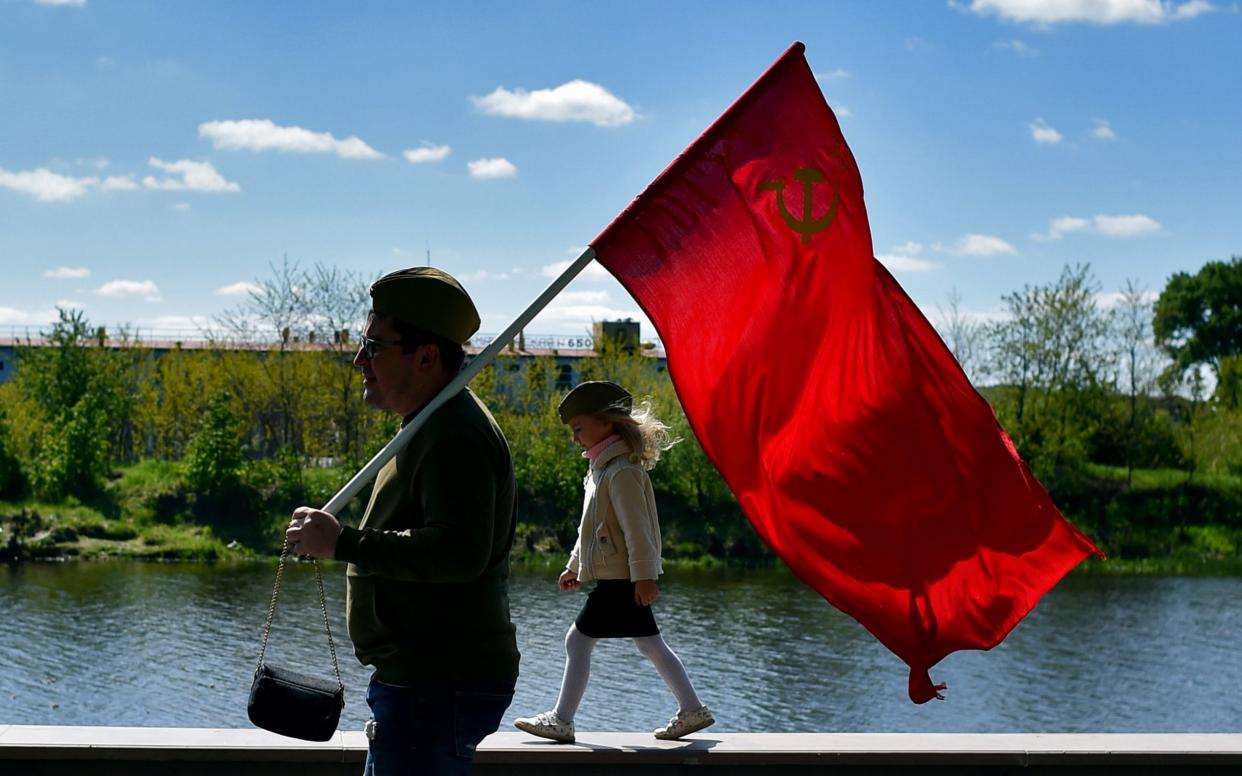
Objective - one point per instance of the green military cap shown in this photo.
(428, 298)
(594, 397)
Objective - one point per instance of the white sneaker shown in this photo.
(548, 725)
(684, 723)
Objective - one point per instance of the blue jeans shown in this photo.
(431, 728)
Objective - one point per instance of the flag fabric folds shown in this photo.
(852, 439)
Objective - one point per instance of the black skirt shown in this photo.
(611, 613)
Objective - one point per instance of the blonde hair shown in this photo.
(646, 435)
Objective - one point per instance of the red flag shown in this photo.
(851, 437)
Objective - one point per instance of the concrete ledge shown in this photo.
(38, 750)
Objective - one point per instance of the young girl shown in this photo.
(619, 547)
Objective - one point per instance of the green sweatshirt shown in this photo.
(428, 575)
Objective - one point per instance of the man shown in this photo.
(427, 602)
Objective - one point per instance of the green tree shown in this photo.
(74, 459)
(12, 479)
(215, 457)
(77, 380)
(1052, 359)
(1199, 317)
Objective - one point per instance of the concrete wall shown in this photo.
(104, 751)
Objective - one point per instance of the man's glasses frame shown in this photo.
(370, 345)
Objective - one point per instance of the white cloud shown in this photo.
(582, 314)
(1109, 226)
(124, 288)
(70, 304)
(67, 273)
(1042, 133)
(574, 311)
(1193, 8)
(839, 74)
(843, 112)
(1110, 299)
(982, 245)
(1058, 227)
(577, 100)
(592, 271)
(903, 258)
(265, 135)
(171, 325)
(583, 297)
(181, 206)
(63, 3)
(427, 153)
(498, 167)
(11, 315)
(1126, 226)
(1103, 130)
(1048, 12)
(906, 263)
(1017, 47)
(940, 318)
(481, 274)
(118, 183)
(195, 176)
(47, 186)
(240, 288)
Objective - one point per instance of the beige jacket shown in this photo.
(619, 537)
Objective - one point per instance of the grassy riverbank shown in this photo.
(1158, 522)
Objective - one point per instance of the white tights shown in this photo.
(578, 650)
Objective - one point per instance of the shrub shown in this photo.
(214, 457)
(74, 459)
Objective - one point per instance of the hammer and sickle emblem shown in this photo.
(808, 225)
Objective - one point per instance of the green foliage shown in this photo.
(1199, 317)
(83, 394)
(1051, 355)
(1212, 440)
(74, 457)
(279, 478)
(1212, 540)
(1229, 383)
(547, 466)
(12, 479)
(698, 514)
(1156, 515)
(1146, 438)
(214, 457)
(232, 436)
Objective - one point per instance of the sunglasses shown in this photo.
(370, 346)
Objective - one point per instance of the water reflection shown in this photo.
(175, 644)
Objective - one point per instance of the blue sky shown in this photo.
(155, 157)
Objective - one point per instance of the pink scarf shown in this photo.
(600, 446)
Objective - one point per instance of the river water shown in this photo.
(142, 644)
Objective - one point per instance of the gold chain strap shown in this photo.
(323, 607)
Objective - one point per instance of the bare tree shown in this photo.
(338, 301)
(1138, 359)
(963, 335)
(315, 311)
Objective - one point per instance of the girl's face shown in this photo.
(590, 430)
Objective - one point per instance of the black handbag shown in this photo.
(290, 703)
